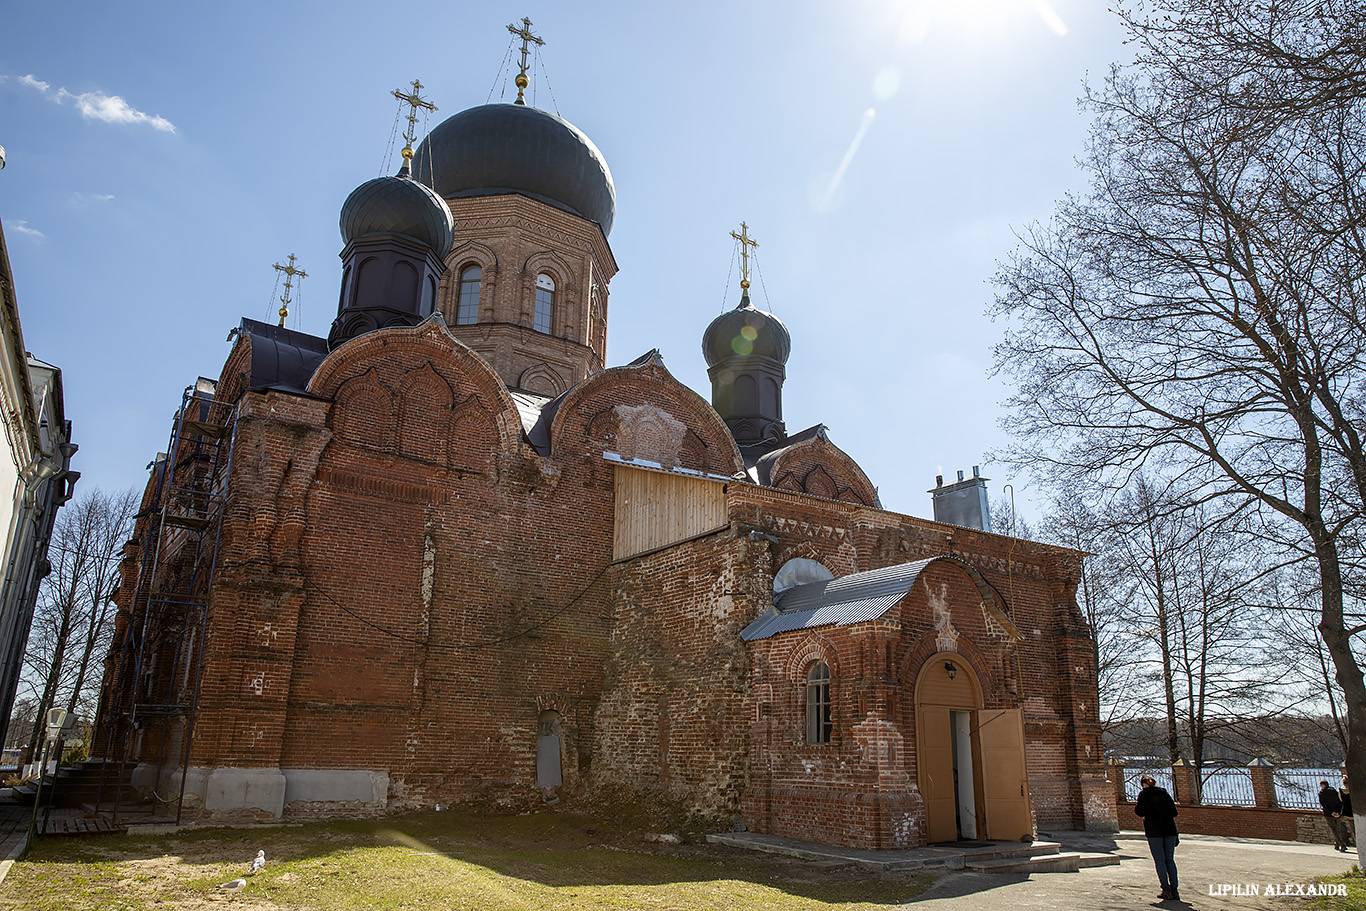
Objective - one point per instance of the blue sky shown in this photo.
(162, 156)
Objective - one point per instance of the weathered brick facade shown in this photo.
(432, 586)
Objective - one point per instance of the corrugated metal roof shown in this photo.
(857, 598)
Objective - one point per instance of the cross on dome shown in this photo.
(414, 100)
(745, 243)
(528, 39)
(289, 272)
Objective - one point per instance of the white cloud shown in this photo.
(81, 200)
(22, 227)
(98, 106)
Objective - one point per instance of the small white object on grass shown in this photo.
(234, 884)
(258, 862)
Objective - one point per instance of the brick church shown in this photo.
(448, 555)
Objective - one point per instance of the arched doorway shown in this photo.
(548, 772)
(970, 760)
(947, 699)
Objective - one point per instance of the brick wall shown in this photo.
(1235, 822)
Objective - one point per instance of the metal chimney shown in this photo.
(964, 502)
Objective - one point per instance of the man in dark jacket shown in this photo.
(1331, 801)
(1158, 810)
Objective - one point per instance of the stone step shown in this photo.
(1086, 859)
(1010, 849)
(1044, 863)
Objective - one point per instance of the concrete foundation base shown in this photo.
(337, 789)
(269, 792)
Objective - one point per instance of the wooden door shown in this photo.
(1005, 786)
(934, 761)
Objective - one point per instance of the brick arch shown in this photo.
(363, 411)
(429, 341)
(813, 647)
(818, 483)
(425, 400)
(820, 463)
(839, 564)
(646, 382)
(541, 378)
(554, 702)
(915, 660)
(468, 254)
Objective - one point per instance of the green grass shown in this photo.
(1354, 900)
(445, 860)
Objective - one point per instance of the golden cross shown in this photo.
(289, 272)
(745, 243)
(414, 101)
(527, 39)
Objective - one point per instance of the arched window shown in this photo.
(467, 308)
(818, 703)
(545, 303)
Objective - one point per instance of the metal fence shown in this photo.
(1299, 788)
(1296, 789)
(1226, 787)
(1162, 775)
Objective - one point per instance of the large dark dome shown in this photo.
(746, 331)
(513, 148)
(398, 205)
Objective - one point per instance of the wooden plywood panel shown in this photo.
(654, 509)
(934, 762)
(1005, 787)
(935, 687)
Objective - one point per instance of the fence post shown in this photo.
(1183, 781)
(1114, 770)
(1263, 783)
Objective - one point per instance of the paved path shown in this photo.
(1202, 861)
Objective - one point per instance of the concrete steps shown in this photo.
(1039, 857)
(79, 784)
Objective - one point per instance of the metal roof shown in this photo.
(529, 408)
(282, 358)
(514, 148)
(857, 598)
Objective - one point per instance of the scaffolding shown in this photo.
(149, 713)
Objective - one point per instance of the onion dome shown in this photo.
(513, 148)
(398, 205)
(746, 331)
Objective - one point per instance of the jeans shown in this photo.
(1164, 856)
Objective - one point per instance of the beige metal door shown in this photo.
(1005, 787)
(934, 756)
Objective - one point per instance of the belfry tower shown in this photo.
(527, 272)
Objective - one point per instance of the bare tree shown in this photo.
(1077, 521)
(72, 614)
(1199, 313)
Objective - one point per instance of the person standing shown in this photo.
(1158, 810)
(1331, 802)
(1346, 821)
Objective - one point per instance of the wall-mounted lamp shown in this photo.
(953, 671)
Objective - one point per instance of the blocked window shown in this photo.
(545, 303)
(467, 309)
(818, 703)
